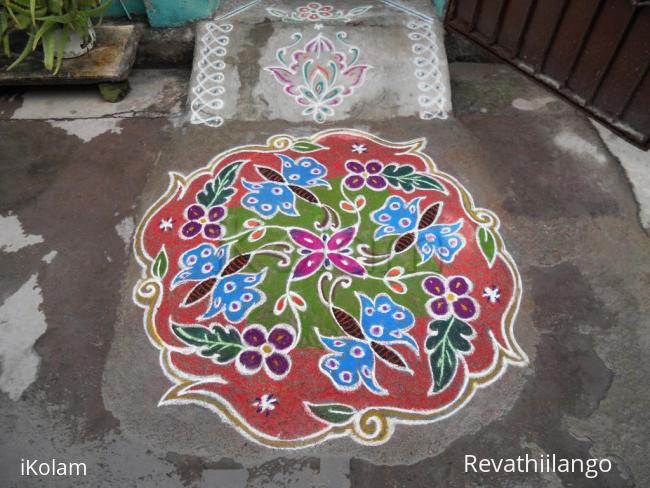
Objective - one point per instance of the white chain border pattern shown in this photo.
(208, 83)
(433, 96)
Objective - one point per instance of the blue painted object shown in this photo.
(440, 7)
(168, 13)
(164, 13)
(134, 7)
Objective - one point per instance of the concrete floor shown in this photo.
(79, 380)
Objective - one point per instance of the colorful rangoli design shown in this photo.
(320, 74)
(326, 286)
(317, 12)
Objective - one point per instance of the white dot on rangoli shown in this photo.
(357, 352)
(332, 363)
(376, 330)
(346, 377)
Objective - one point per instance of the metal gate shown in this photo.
(594, 53)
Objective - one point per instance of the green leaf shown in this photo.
(49, 46)
(333, 413)
(42, 30)
(449, 339)
(488, 245)
(398, 171)
(306, 146)
(426, 182)
(62, 40)
(405, 177)
(26, 51)
(218, 191)
(161, 264)
(220, 343)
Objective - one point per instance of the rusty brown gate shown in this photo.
(594, 53)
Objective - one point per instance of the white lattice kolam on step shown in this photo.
(433, 99)
(208, 86)
(317, 66)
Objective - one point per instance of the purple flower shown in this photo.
(450, 297)
(268, 350)
(200, 220)
(368, 175)
(324, 250)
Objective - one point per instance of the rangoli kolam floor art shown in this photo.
(336, 285)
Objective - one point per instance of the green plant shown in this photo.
(47, 23)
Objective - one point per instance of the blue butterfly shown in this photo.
(353, 358)
(404, 219)
(278, 194)
(230, 292)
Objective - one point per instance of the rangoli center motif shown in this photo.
(326, 286)
(320, 74)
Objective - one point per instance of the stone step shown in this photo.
(356, 61)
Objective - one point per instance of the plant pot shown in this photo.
(77, 45)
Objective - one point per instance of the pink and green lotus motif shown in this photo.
(319, 75)
(320, 287)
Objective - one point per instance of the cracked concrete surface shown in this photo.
(568, 214)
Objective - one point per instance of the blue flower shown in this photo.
(267, 198)
(235, 294)
(399, 217)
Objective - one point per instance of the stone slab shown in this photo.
(109, 61)
(392, 63)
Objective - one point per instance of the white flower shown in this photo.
(166, 224)
(359, 148)
(265, 403)
(493, 294)
(318, 26)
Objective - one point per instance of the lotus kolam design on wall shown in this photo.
(328, 286)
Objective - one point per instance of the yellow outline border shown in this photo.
(372, 425)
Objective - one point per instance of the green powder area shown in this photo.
(317, 316)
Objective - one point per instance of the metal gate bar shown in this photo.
(604, 70)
